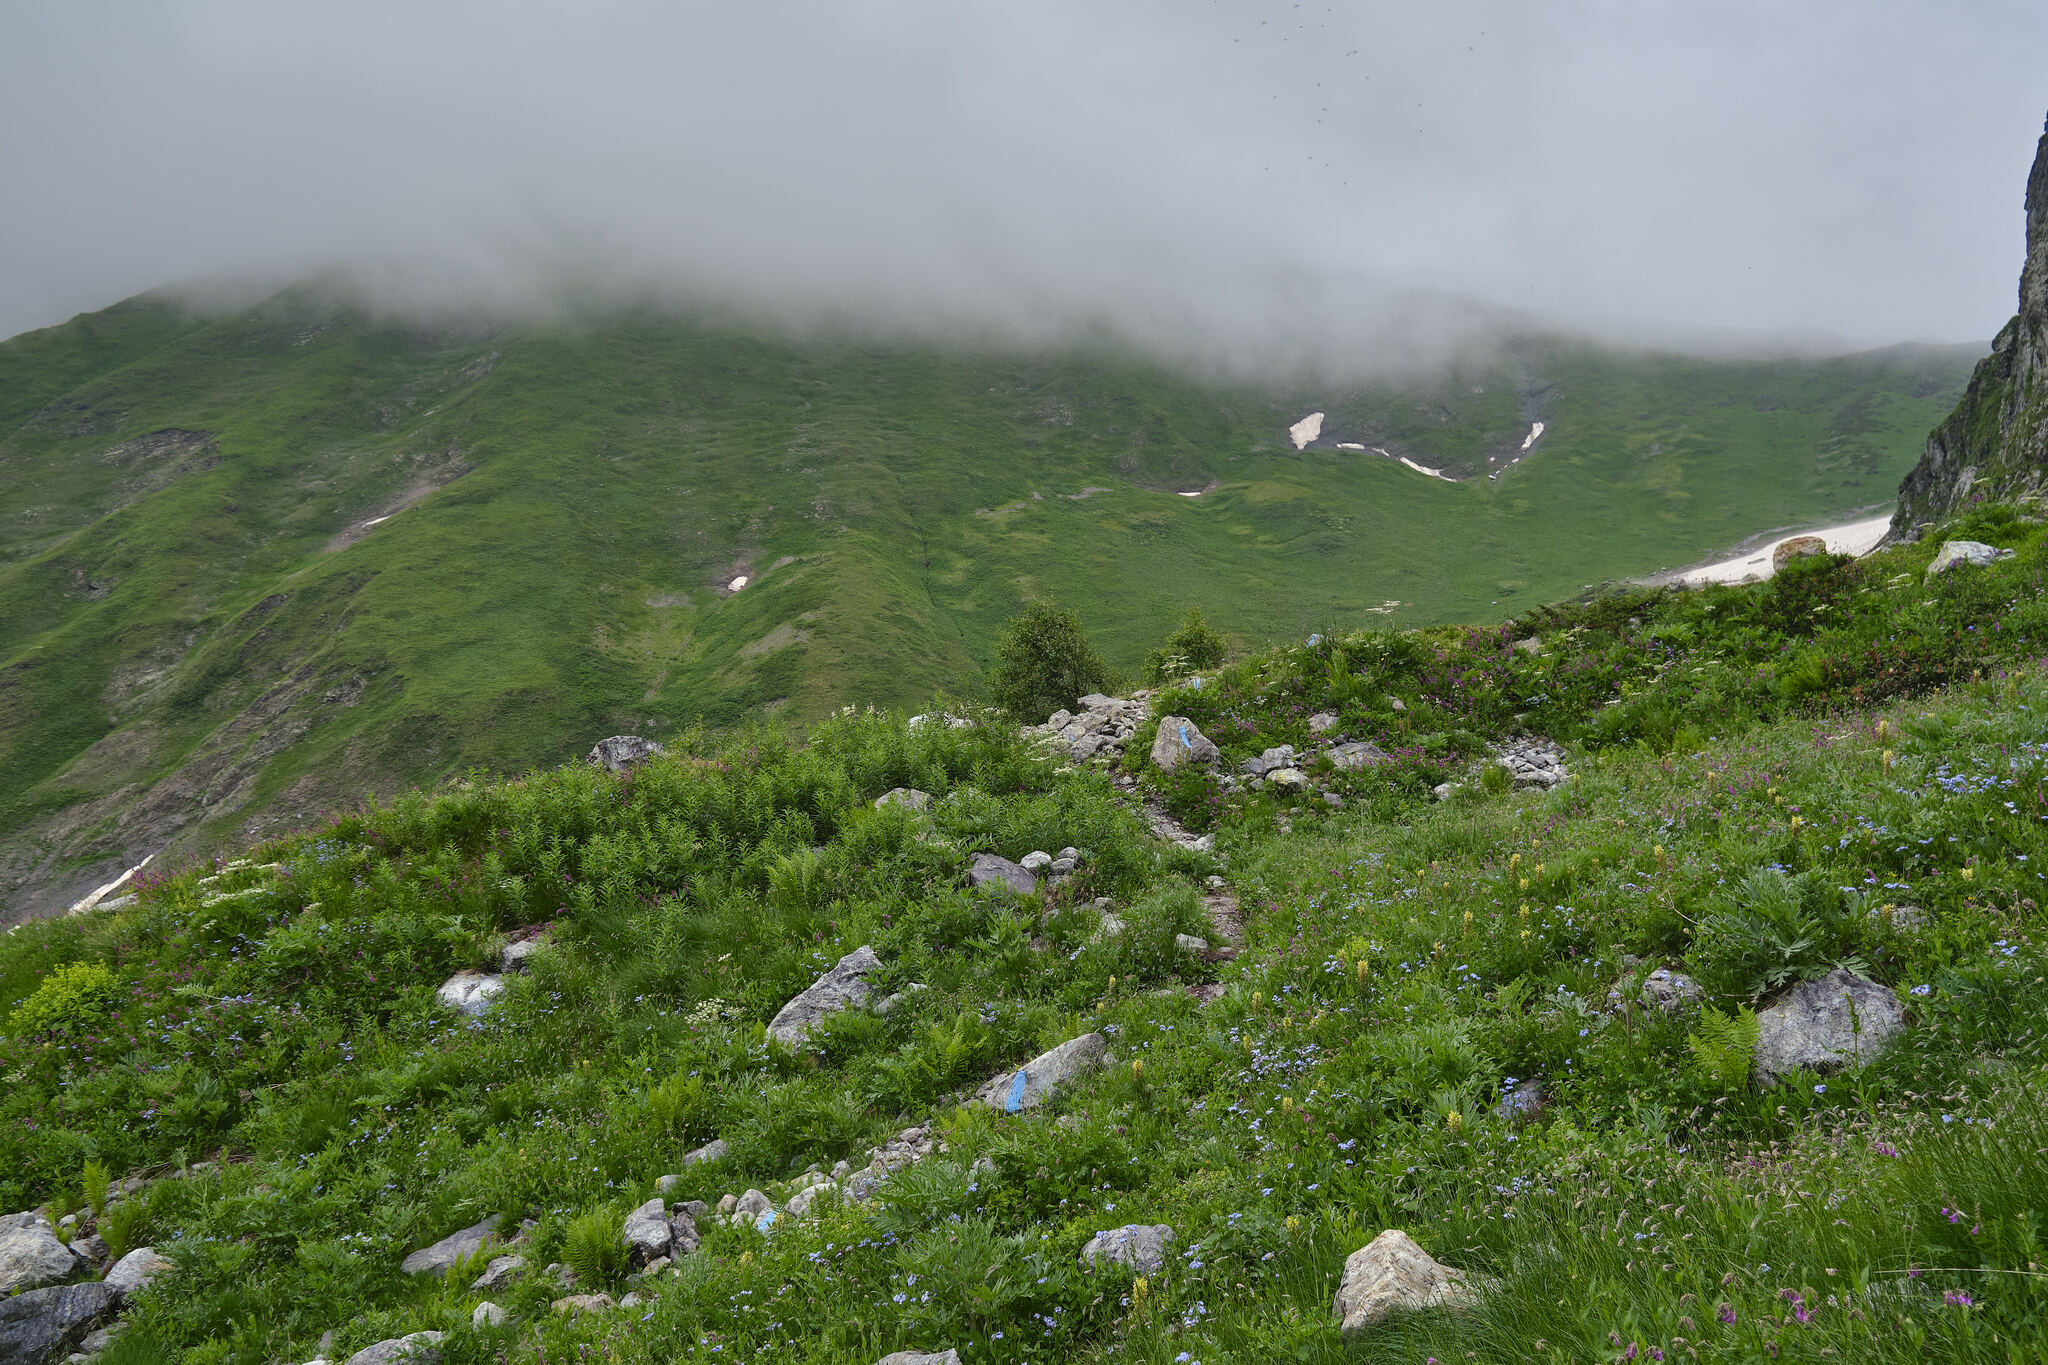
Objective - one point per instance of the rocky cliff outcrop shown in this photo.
(1994, 446)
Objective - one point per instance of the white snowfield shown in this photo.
(1306, 430)
(1852, 538)
(1535, 433)
(737, 584)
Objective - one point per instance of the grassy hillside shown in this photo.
(1844, 768)
(253, 566)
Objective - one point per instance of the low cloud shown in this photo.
(1233, 183)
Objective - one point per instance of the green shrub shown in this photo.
(125, 1225)
(93, 1182)
(1044, 663)
(1725, 1045)
(593, 1247)
(74, 991)
(680, 1106)
(1193, 648)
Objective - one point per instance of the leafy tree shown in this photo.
(1044, 663)
(1194, 648)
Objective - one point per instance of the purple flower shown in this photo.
(1956, 1298)
(1726, 1313)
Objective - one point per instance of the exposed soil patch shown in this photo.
(414, 491)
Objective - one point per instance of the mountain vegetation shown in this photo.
(255, 565)
(780, 988)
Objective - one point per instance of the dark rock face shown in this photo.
(43, 1324)
(1994, 446)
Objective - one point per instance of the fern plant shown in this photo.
(593, 1247)
(1724, 1045)
(93, 1182)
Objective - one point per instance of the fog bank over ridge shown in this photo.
(1241, 185)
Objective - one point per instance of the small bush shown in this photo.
(1044, 663)
(593, 1247)
(93, 1182)
(125, 1226)
(1193, 648)
(1725, 1045)
(75, 990)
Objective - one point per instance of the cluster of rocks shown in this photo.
(61, 1300)
(1098, 731)
(1532, 764)
(469, 993)
(620, 752)
(1022, 876)
(1660, 989)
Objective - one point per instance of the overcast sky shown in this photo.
(1220, 174)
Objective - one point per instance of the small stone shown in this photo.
(841, 1170)
(575, 1304)
(896, 1001)
(631, 1299)
(1036, 861)
(920, 1358)
(1797, 547)
(1322, 722)
(1332, 800)
(1140, 1246)
(486, 1314)
(1064, 867)
(800, 1203)
(1287, 780)
(727, 1203)
(1188, 943)
(752, 1205)
(1670, 992)
(518, 953)
(910, 798)
(1355, 757)
(1389, 1273)
(656, 1266)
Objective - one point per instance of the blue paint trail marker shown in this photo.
(1016, 1100)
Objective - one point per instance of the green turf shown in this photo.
(180, 610)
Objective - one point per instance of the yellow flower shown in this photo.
(746, 1258)
(1969, 874)
(1362, 970)
(1454, 1120)
(1797, 821)
(1137, 1068)
(1525, 883)
(1287, 1104)
(1139, 1288)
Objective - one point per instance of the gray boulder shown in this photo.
(713, 1150)
(1670, 992)
(910, 798)
(133, 1272)
(1281, 756)
(1389, 1273)
(39, 1325)
(30, 1253)
(1287, 779)
(1027, 1087)
(486, 1315)
(989, 870)
(1140, 1246)
(501, 1271)
(419, 1348)
(1036, 862)
(920, 1358)
(1351, 758)
(518, 953)
(646, 1230)
(470, 993)
(621, 752)
(1974, 553)
(683, 1237)
(1178, 742)
(845, 986)
(751, 1206)
(456, 1246)
(800, 1203)
(1322, 722)
(1840, 1020)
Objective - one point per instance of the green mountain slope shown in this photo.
(252, 566)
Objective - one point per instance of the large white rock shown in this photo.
(135, 1270)
(1840, 1020)
(990, 870)
(1140, 1246)
(1178, 742)
(621, 752)
(920, 1358)
(470, 993)
(1391, 1272)
(1013, 1092)
(1971, 552)
(30, 1253)
(843, 987)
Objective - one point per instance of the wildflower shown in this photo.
(1956, 1298)
(1726, 1313)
